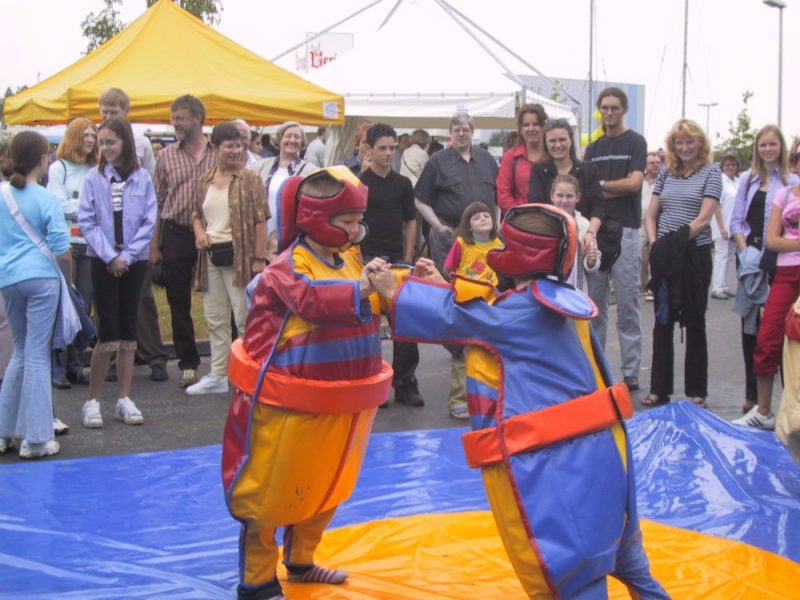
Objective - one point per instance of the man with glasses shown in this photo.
(619, 157)
(178, 168)
(452, 180)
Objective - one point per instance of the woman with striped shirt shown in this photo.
(685, 196)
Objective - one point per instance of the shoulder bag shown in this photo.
(68, 322)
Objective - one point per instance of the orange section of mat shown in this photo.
(459, 555)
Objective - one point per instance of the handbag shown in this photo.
(68, 322)
(88, 332)
(160, 274)
(221, 255)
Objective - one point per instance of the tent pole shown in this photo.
(507, 49)
(389, 16)
(591, 83)
(449, 10)
(326, 30)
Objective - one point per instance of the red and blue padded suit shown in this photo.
(566, 511)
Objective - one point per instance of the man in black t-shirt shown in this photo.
(391, 218)
(619, 157)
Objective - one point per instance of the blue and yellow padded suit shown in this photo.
(565, 509)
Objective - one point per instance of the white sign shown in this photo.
(330, 110)
(322, 50)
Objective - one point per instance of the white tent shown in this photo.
(422, 63)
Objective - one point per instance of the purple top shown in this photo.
(748, 186)
(96, 215)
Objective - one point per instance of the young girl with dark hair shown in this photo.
(476, 234)
(117, 217)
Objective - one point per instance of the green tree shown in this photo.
(101, 27)
(209, 11)
(500, 137)
(741, 136)
(556, 94)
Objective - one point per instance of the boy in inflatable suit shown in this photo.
(308, 379)
(547, 422)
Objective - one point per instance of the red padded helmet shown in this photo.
(307, 204)
(540, 240)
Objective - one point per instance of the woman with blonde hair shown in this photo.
(76, 155)
(277, 169)
(685, 196)
(757, 189)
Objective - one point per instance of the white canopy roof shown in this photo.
(421, 67)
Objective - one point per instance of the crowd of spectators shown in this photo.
(665, 226)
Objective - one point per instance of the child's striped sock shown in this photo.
(315, 574)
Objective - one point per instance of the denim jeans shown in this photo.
(625, 273)
(6, 341)
(26, 400)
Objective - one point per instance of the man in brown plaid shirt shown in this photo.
(178, 168)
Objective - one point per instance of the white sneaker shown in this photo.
(59, 427)
(90, 415)
(28, 450)
(757, 420)
(127, 412)
(209, 384)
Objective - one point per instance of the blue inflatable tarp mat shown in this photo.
(151, 525)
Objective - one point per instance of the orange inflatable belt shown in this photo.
(308, 395)
(523, 433)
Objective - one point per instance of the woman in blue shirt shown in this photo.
(30, 285)
(117, 217)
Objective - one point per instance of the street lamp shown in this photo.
(780, 5)
(708, 106)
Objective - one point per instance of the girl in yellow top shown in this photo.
(475, 236)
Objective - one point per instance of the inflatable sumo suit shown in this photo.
(308, 378)
(547, 423)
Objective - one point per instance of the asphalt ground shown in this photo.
(173, 419)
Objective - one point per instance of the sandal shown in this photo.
(699, 401)
(653, 400)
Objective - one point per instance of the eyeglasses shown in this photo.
(613, 108)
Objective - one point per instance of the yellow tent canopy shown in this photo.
(165, 53)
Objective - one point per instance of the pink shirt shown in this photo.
(784, 198)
